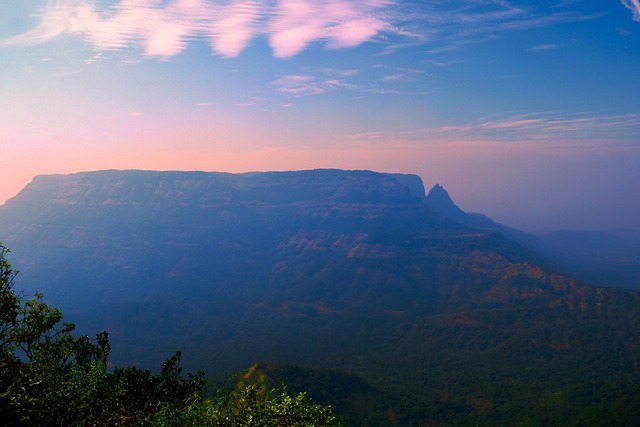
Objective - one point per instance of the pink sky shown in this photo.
(473, 171)
(526, 113)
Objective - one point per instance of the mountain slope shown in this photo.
(344, 269)
(603, 257)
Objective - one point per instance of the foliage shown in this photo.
(256, 406)
(49, 377)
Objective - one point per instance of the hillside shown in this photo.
(601, 257)
(349, 270)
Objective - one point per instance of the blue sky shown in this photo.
(526, 111)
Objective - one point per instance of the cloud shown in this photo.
(445, 27)
(543, 47)
(623, 32)
(299, 85)
(633, 6)
(402, 75)
(236, 25)
(577, 130)
(298, 23)
(328, 79)
(163, 28)
(549, 127)
(55, 21)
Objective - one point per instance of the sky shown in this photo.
(528, 112)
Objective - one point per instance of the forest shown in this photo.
(49, 377)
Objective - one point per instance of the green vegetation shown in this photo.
(49, 377)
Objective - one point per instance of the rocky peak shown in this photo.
(439, 201)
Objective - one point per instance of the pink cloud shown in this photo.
(54, 23)
(355, 32)
(296, 24)
(340, 23)
(633, 6)
(164, 28)
(235, 28)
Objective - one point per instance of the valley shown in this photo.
(391, 305)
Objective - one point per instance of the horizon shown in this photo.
(524, 112)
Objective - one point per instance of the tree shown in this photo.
(49, 377)
(9, 304)
(255, 406)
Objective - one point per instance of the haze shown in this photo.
(525, 111)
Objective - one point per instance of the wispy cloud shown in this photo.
(163, 28)
(544, 47)
(402, 75)
(297, 23)
(578, 129)
(324, 80)
(634, 7)
(299, 85)
(253, 101)
(546, 126)
(318, 81)
(54, 22)
(306, 85)
(449, 26)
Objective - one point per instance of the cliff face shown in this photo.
(204, 189)
(320, 240)
(162, 227)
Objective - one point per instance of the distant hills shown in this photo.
(606, 258)
(421, 312)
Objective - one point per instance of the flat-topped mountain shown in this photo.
(350, 270)
(214, 188)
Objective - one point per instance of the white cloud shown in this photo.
(633, 6)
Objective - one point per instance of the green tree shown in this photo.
(49, 377)
(255, 406)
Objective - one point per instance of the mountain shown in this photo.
(606, 258)
(436, 321)
(602, 257)
(438, 200)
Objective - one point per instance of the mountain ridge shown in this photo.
(343, 269)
